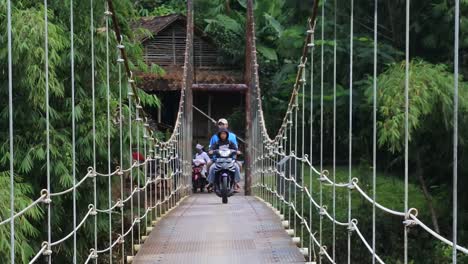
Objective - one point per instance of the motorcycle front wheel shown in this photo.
(225, 188)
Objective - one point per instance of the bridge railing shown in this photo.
(140, 190)
(281, 162)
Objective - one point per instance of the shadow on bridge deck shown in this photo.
(202, 230)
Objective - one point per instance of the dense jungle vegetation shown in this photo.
(281, 28)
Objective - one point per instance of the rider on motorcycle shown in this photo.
(223, 124)
(201, 155)
(223, 142)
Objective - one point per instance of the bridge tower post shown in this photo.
(188, 75)
(251, 82)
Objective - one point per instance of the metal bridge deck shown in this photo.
(202, 230)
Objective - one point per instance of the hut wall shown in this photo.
(167, 48)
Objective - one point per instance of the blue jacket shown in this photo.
(232, 137)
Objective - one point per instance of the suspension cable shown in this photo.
(93, 88)
(455, 130)
(407, 65)
(311, 151)
(350, 136)
(321, 121)
(109, 179)
(334, 131)
(374, 133)
(46, 59)
(72, 57)
(10, 123)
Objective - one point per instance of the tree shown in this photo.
(430, 116)
(30, 119)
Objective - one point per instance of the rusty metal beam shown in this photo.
(251, 84)
(188, 78)
(206, 87)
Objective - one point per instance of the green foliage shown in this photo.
(25, 226)
(159, 8)
(225, 21)
(148, 100)
(268, 53)
(30, 118)
(389, 192)
(281, 30)
(430, 91)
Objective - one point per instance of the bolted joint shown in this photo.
(323, 250)
(303, 221)
(92, 209)
(48, 251)
(91, 172)
(412, 213)
(93, 253)
(410, 223)
(352, 225)
(46, 195)
(323, 211)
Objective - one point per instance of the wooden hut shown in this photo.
(217, 87)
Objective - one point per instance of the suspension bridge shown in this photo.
(152, 215)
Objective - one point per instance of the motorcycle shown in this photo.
(198, 179)
(224, 173)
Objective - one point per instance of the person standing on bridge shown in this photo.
(201, 155)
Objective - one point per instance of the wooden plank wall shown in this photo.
(168, 48)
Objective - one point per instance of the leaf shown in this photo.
(268, 53)
(243, 3)
(274, 24)
(229, 23)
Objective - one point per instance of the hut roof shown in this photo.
(156, 24)
(172, 80)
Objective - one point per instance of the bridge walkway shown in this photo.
(203, 230)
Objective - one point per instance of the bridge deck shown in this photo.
(202, 230)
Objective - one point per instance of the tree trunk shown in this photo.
(427, 195)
